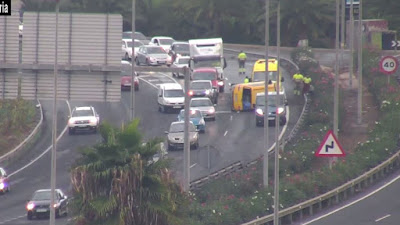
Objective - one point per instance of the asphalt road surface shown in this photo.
(232, 137)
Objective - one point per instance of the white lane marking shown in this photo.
(16, 181)
(231, 118)
(226, 132)
(193, 165)
(221, 112)
(153, 80)
(9, 220)
(354, 202)
(153, 85)
(45, 151)
(383, 217)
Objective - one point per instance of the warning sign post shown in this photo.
(330, 147)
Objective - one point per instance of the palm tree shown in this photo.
(115, 183)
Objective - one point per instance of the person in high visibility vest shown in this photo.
(242, 60)
(298, 79)
(307, 84)
(246, 80)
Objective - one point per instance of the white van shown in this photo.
(170, 96)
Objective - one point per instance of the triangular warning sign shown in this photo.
(330, 147)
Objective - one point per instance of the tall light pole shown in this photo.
(186, 139)
(132, 116)
(54, 148)
(360, 46)
(342, 30)
(266, 141)
(351, 44)
(277, 145)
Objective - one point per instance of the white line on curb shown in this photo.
(383, 217)
(193, 165)
(226, 132)
(45, 151)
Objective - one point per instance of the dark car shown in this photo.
(138, 35)
(272, 109)
(204, 88)
(39, 205)
(4, 184)
(179, 49)
(152, 55)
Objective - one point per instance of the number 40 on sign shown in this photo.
(388, 64)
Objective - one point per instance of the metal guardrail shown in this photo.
(25, 144)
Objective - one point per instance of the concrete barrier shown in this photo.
(25, 144)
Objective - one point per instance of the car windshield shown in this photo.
(137, 44)
(260, 100)
(85, 112)
(260, 76)
(183, 61)
(193, 114)
(156, 50)
(204, 76)
(181, 47)
(166, 41)
(138, 35)
(174, 93)
(201, 103)
(201, 85)
(180, 128)
(42, 195)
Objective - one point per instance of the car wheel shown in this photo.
(162, 109)
(147, 62)
(137, 88)
(221, 89)
(170, 148)
(57, 213)
(196, 146)
(258, 124)
(29, 216)
(71, 131)
(282, 121)
(8, 188)
(126, 57)
(95, 130)
(137, 61)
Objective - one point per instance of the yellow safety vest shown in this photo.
(246, 80)
(307, 80)
(242, 55)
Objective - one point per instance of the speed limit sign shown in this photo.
(389, 64)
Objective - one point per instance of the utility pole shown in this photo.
(360, 61)
(186, 145)
(342, 30)
(132, 116)
(266, 141)
(54, 131)
(277, 145)
(351, 45)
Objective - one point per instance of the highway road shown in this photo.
(376, 206)
(232, 137)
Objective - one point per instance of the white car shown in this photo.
(205, 106)
(170, 97)
(163, 41)
(180, 62)
(83, 118)
(127, 48)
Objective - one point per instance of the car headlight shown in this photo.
(152, 59)
(280, 110)
(56, 205)
(2, 186)
(190, 93)
(93, 120)
(30, 206)
(259, 112)
(71, 121)
(202, 122)
(207, 92)
(212, 110)
(220, 83)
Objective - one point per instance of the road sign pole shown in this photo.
(336, 88)
(54, 131)
(360, 71)
(266, 141)
(186, 145)
(132, 116)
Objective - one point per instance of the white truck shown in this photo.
(206, 53)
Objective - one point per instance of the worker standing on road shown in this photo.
(307, 84)
(298, 80)
(246, 80)
(242, 60)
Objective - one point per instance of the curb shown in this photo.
(25, 144)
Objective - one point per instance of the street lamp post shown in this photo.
(132, 115)
(360, 46)
(266, 141)
(54, 149)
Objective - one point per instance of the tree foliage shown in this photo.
(115, 181)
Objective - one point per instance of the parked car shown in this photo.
(152, 56)
(205, 106)
(180, 62)
(175, 136)
(39, 204)
(126, 81)
(179, 48)
(204, 88)
(163, 41)
(195, 117)
(138, 35)
(127, 48)
(4, 183)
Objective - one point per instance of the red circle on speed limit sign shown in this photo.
(388, 64)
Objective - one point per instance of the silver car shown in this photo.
(152, 56)
(180, 62)
(205, 106)
(175, 136)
